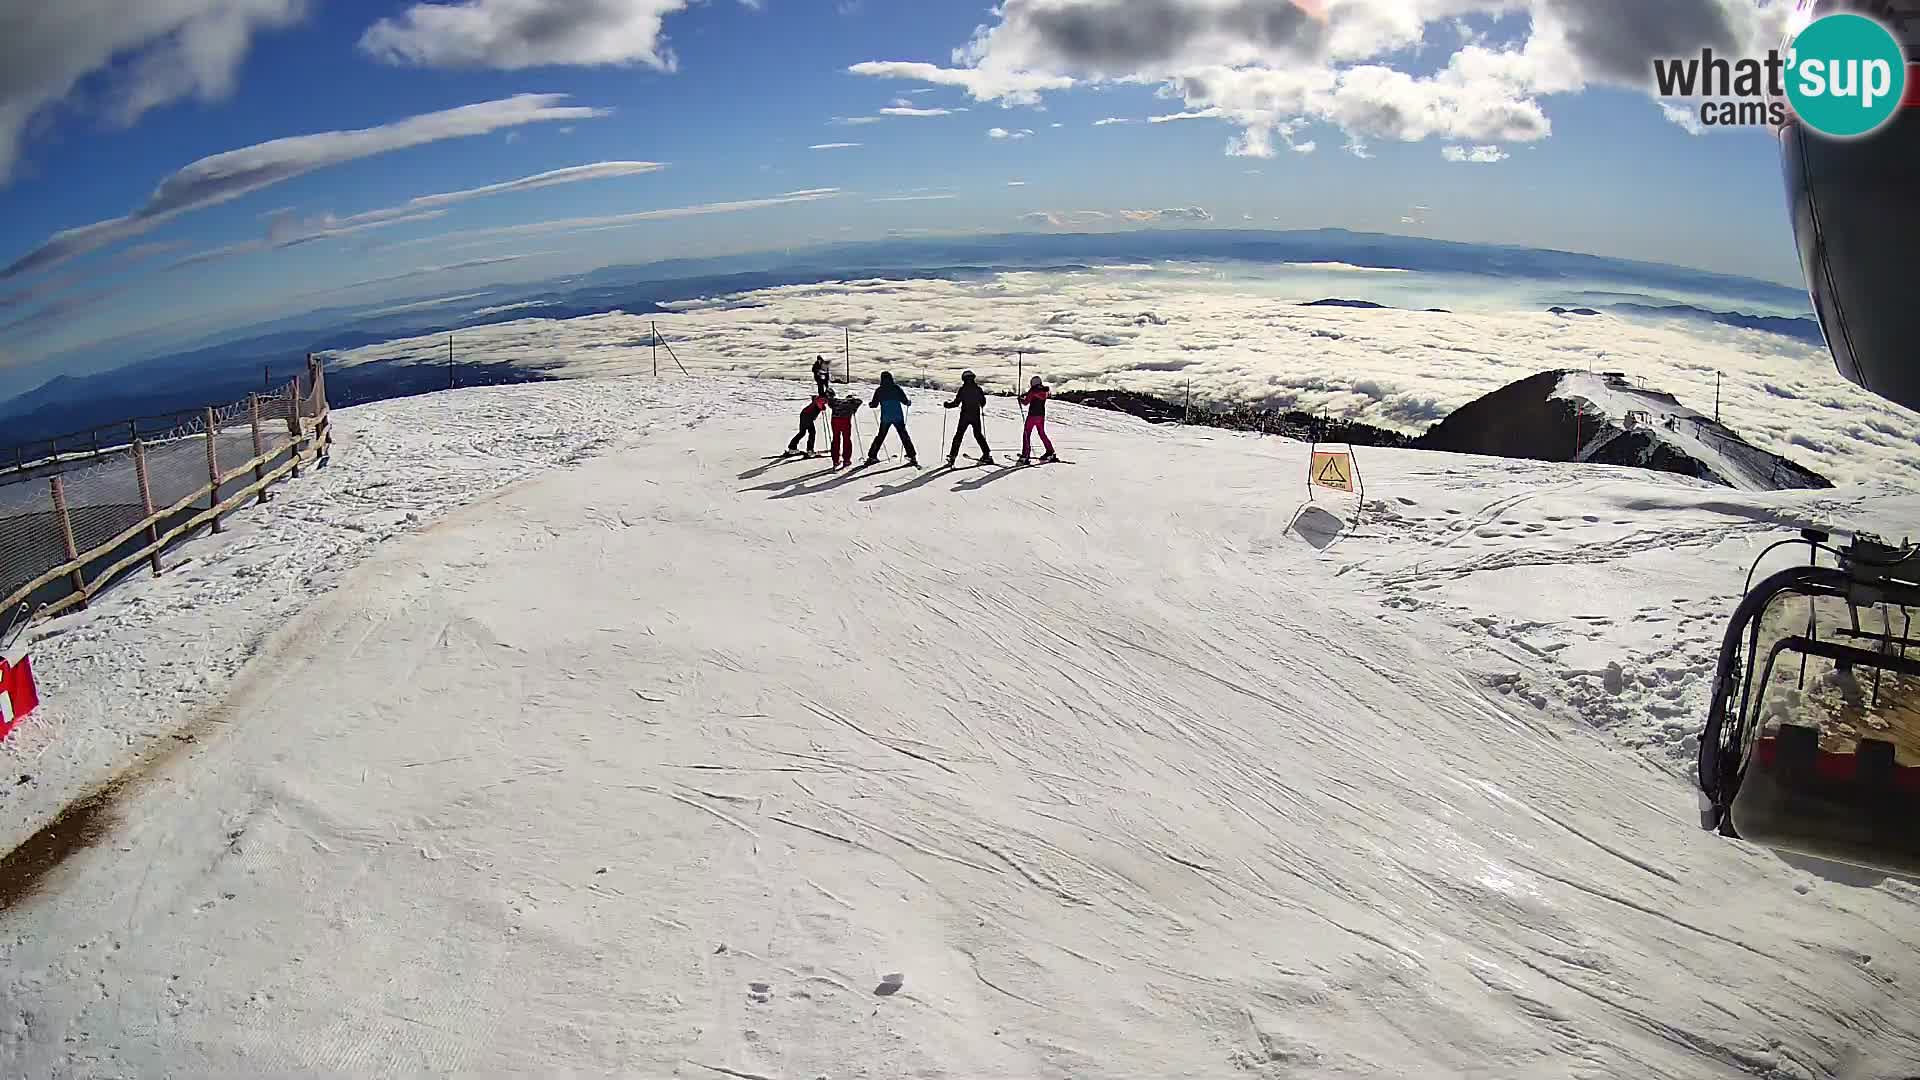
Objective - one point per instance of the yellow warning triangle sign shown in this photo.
(1332, 471)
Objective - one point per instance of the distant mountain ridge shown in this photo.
(1800, 328)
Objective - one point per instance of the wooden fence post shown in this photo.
(66, 535)
(294, 427)
(146, 499)
(213, 466)
(323, 424)
(259, 446)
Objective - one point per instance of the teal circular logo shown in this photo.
(1845, 75)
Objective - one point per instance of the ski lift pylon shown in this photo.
(1812, 739)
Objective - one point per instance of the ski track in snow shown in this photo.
(1134, 769)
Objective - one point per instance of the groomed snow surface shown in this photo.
(575, 737)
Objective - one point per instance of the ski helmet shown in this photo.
(1036, 380)
(966, 376)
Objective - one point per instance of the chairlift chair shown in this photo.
(1812, 739)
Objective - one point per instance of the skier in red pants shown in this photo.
(1035, 399)
(841, 441)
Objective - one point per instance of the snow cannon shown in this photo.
(1812, 741)
(1856, 220)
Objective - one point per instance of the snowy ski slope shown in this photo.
(1746, 467)
(666, 762)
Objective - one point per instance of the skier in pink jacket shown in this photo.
(1035, 399)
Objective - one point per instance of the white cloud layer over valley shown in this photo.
(1164, 328)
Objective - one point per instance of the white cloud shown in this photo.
(286, 230)
(856, 120)
(1261, 64)
(1110, 121)
(1015, 88)
(165, 50)
(512, 35)
(1479, 155)
(1196, 114)
(1016, 183)
(1161, 217)
(1253, 142)
(621, 221)
(1307, 147)
(1003, 133)
(227, 176)
(1063, 218)
(835, 146)
(908, 110)
(1686, 118)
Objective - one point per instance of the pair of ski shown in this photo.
(1018, 463)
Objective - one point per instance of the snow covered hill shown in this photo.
(1659, 432)
(1605, 419)
(675, 761)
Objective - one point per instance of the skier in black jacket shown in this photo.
(820, 376)
(970, 400)
(808, 417)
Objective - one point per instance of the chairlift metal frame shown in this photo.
(1867, 573)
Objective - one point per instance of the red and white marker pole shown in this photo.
(18, 695)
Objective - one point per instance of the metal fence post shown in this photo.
(146, 500)
(66, 536)
(213, 467)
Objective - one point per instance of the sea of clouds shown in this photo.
(1227, 338)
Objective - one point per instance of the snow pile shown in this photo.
(1629, 425)
(677, 761)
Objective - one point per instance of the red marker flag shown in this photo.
(18, 697)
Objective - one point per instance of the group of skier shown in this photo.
(892, 402)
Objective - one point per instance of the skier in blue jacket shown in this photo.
(892, 403)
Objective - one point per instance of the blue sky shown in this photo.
(1581, 158)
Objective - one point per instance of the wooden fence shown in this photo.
(71, 527)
